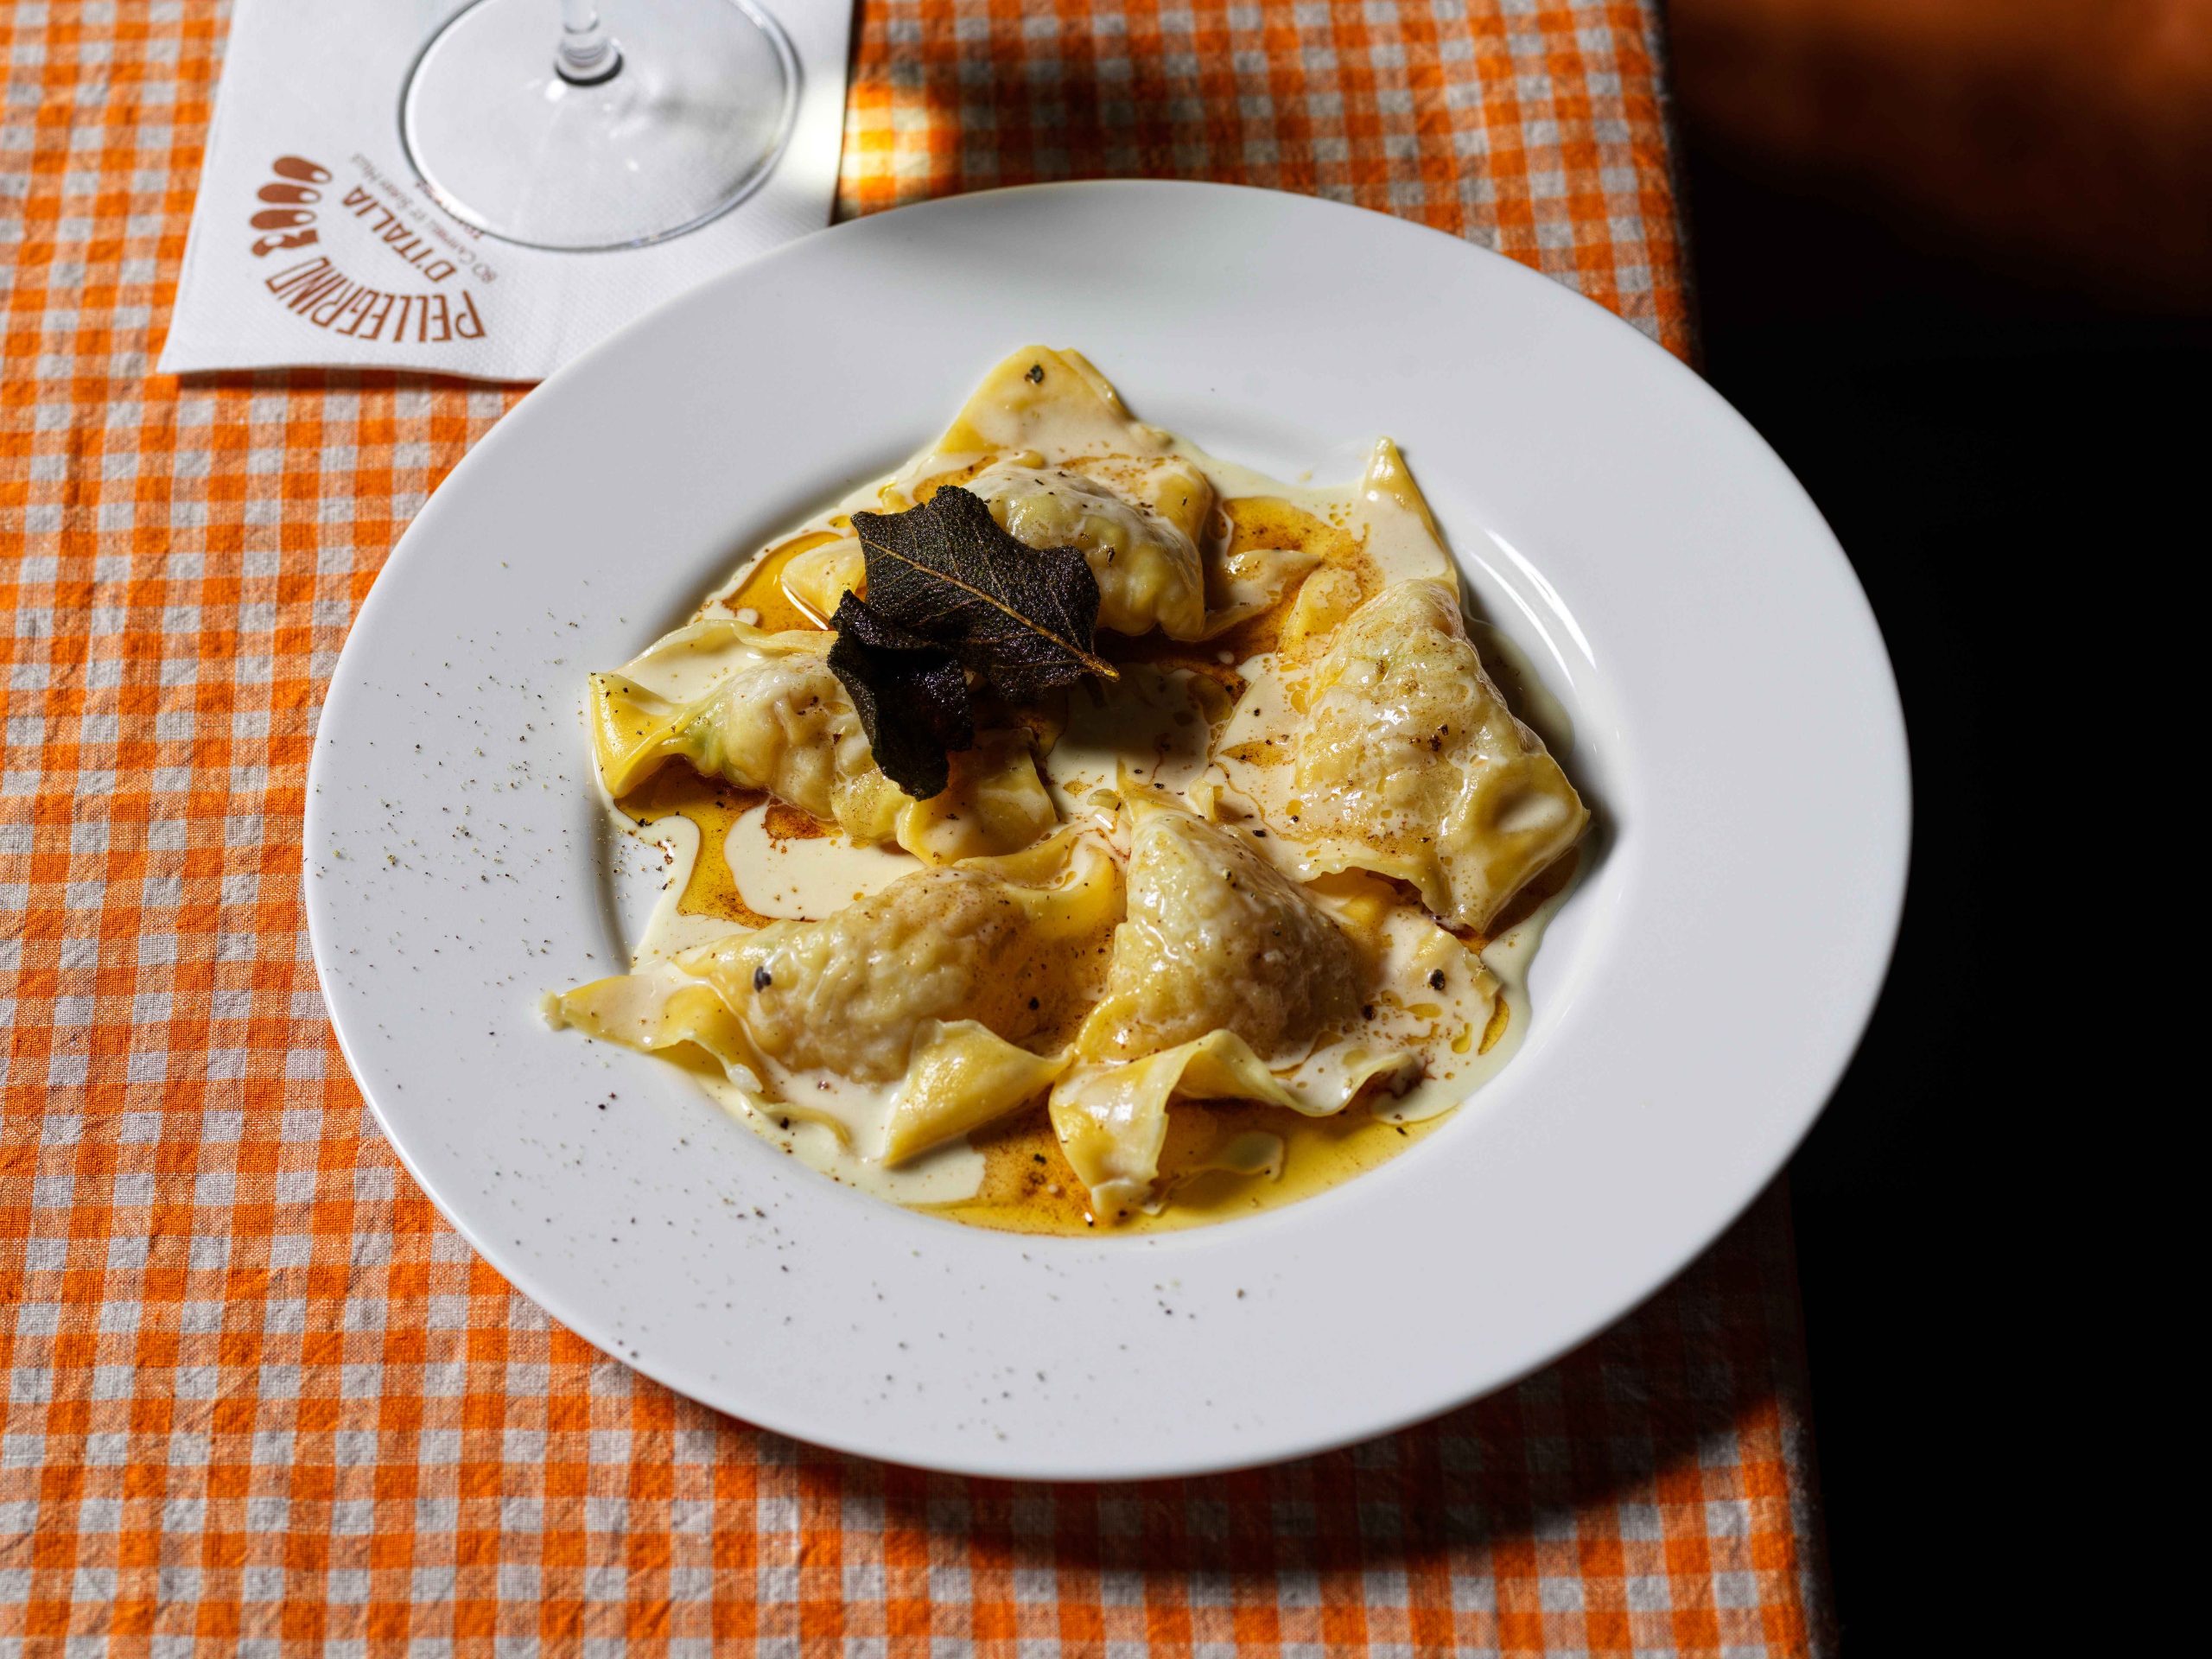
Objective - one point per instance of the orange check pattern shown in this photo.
(256, 1397)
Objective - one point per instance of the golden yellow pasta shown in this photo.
(1410, 764)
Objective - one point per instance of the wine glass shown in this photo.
(603, 135)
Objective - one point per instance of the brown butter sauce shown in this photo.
(762, 589)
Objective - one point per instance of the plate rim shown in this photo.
(557, 1302)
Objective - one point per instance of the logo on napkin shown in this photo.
(333, 245)
(315, 242)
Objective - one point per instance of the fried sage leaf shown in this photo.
(910, 692)
(1022, 618)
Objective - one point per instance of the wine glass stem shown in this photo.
(587, 54)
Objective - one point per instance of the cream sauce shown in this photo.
(804, 877)
(1154, 725)
(951, 1172)
(671, 928)
(1473, 1052)
(685, 664)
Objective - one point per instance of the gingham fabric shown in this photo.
(259, 1398)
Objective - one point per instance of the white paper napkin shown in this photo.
(389, 280)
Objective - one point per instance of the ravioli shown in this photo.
(777, 720)
(780, 721)
(1217, 939)
(1047, 401)
(1223, 977)
(1141, 525)
(1408, 763)
(1146, 563)
(930, 990)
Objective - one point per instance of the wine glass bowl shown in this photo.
(548, 126)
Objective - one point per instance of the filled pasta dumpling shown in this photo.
(777, 719)
(912, 1016)
(1226, 981)
(1046, 442)
(1408, 763)
(1217, 939)
(1144, 552)
(1042, 399)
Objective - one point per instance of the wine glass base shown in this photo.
(687, 126)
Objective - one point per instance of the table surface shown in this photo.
(257, 1392)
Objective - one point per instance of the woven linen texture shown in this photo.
(258, 1397)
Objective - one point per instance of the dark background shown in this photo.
(1954, 296)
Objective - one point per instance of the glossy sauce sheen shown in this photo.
(1028, 1188)
(713, 807)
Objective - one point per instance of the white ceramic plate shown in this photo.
(1739, 735)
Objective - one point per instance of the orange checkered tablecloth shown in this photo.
(258, 1395)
